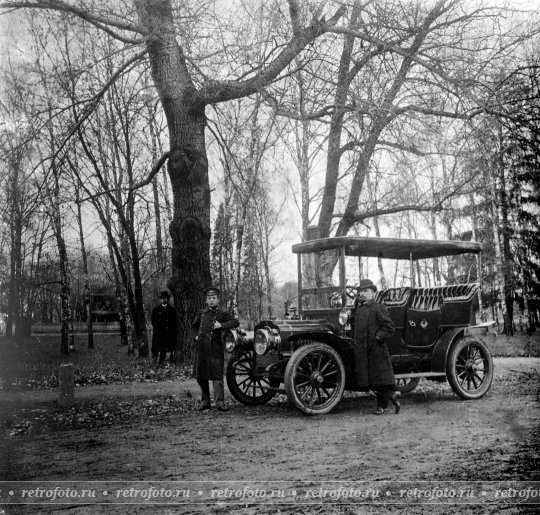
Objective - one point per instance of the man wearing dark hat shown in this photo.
(209, 356)
(372, 327)
(164, 328)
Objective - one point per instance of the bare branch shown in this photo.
(96, 99)
(351, 145)
(101, 22)
(437, 206)
(155, 169)
(221, 91)
(361, 217)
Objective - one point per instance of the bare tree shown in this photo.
(20, 204)
(16, 215)
(185, 90)
(246, 134)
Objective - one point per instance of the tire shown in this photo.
(407, 384)
(244, 386)
(469, 368)
(315, 378)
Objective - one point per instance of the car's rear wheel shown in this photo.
(469, 368)
(315, 378)
(407, 384)
(244, 385)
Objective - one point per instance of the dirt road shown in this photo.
(134, 435)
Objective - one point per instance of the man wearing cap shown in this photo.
(372, 327)
(209, 356)
(164, 328)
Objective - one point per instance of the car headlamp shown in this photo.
(276, 338)
(231, 339)
(344, 315)
(261, 341)
(266, 339)
(234, 338)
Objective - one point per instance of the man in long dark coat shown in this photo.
(209, 356)
(372, 327)
(164, 328)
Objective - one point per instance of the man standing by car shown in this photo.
(372, 327)
(209, 358)
(164, 328)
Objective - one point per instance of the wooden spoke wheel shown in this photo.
(315, 378)
(244, 385)
(469, 368)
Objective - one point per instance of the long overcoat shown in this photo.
(209, 355)
(372, 327)
(164, 329)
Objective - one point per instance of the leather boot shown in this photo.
(394, 397)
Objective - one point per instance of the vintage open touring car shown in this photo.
(312, 358)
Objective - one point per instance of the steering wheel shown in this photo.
(351, 291)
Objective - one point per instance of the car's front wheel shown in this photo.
(469, 368)
(244, 385)
(315, 378)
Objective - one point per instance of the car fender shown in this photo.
(341, 345)
(440, 351)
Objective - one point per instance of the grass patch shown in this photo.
(519, 345)
(35, 363)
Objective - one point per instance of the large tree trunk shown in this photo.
(334, 136)
(190, 229)
(188, 167)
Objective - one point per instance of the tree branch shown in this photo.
(351, 145)
(436, 112)
(102, 22)
(294, 12)
(96, 99)
(222, 91)
(437, 206)
(155, 169)
(360, 217)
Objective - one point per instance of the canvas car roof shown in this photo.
(389, 248)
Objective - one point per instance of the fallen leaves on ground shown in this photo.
(136, 372)
(95, 414)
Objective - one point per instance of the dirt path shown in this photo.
(276, 448)
(21, 399)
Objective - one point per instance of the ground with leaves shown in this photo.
(150, 430)
(34, 364)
